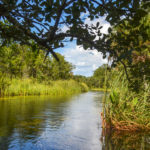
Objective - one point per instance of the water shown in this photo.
(44, 123)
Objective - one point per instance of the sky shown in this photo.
(85, 61)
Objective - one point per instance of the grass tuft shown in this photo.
(126, 110)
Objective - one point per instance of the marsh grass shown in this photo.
(126, 110)
(25, 87)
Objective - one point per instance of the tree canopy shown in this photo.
(19, 61)
(130, 41)
(25, 21)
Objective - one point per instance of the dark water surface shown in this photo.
(44, 123)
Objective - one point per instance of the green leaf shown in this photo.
(97, 24)
(134, 101)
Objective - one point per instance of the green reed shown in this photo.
(125, 109)
(24, 87)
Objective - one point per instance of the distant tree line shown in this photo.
(100, 78)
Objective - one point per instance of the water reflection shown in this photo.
(44, 123)
(114, 140)
(25, 119)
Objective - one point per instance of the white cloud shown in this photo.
(85, 61)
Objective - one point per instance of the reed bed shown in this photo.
(125, 110)
(25, 87)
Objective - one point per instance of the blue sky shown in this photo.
(85, 61)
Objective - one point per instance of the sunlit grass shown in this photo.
(100, 89)
(24, 87)
(126, 110)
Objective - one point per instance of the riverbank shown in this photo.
(26, 87)
(125, 110)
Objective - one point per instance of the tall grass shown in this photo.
(126, 110)
(24, 87)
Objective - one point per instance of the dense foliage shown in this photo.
(42, 21)
(20, 63)
(125, 109)
(128, 105)
(131, 45)
(23, 61)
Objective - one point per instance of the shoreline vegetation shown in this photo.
(29, 72)
(127, 106)
(125, 110)
(27, 87)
